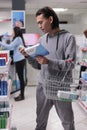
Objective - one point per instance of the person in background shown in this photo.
(84, 56)
(62, 54)
(18, 58)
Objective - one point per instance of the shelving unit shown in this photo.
(5, 87)
(83, 101)
(83, 91)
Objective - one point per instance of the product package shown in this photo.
(36, 50)
(68, 95)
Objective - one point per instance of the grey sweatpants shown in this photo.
(63, 109)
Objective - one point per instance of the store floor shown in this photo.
(24, 114)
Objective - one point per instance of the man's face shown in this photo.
(44, 23)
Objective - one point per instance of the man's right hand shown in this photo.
(22, 51)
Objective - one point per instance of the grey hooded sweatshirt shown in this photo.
(62, 57)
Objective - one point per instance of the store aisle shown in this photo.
(24, 114)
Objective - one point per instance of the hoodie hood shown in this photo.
(63, 31)
(58, 35)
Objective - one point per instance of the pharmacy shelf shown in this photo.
(5, 68)
(4, 99)
(82, 103)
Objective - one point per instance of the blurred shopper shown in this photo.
(18, 58)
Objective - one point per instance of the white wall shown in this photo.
(5, 27)
(76, 24)
(74, 28)
(31, 25)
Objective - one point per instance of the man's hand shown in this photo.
(84, 49)
(42, 60)
(21, 50)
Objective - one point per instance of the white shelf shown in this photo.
(5, 68)
(6, 108)
(5, 129)
(4, 98)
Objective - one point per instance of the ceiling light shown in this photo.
(60, 9)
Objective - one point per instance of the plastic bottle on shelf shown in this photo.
(5, 87)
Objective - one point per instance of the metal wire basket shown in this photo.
(63, 82)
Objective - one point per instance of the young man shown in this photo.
(62, 49)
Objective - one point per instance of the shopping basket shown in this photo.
(60, 86)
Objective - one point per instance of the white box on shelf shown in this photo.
(5, 68)
(68, 95)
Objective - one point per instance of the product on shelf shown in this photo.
(4, 61)
(3, 87)
(4, 54)
(68, 95)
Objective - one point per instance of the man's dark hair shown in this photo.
(85, 33)
(47, 12)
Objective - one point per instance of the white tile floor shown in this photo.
(24, 114)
